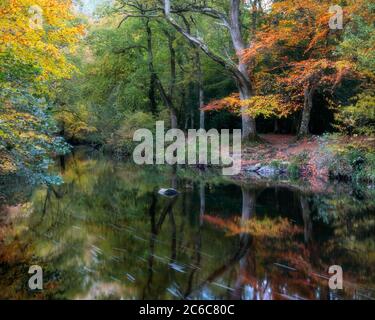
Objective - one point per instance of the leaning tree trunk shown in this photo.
(306, 113)
(239, 72)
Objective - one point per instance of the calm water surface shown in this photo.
(107, 234)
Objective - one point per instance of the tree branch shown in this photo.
(228, 64)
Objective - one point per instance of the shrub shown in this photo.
(121, 142)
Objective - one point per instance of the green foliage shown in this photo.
(359, 39)
(353, 161)
(297, 163)
(27, 131)
(358, 118)
(32, 61)
(358, 46)
(122, 140)
(111, 84)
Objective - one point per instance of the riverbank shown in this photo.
(317, 159)
(7, 165)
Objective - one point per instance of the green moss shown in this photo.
(294, 170)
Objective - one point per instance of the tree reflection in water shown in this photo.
(106, 233)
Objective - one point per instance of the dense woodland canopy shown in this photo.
(264, 66)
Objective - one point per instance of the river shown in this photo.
(106, 233)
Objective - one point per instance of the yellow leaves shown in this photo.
(265, 228)
(75, 126)
(43, 47)
(267, 106)
(275, 228)
(7, 165)
(21, 125)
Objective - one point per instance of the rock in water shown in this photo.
(268, 172)
(168, 192)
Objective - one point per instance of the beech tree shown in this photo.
(298, 34)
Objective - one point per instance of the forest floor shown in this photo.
(278, 147)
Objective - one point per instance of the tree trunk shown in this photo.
(248, 212)
(172, 84)
(202, 195)
(200, 82)
(276, 126)
(248, 204)
(200, 90)
(306, 114)
(184, 107)
(167, 99)
(152, 94)
(152, 87)
(243, 81)
(306, 215)
(174, 121)
(249, 131)
(202, 121)
(202, 114)
(172, 53)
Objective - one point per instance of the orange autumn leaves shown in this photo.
(327, 72)
(299, 24)
(295, 39)
(46, 47)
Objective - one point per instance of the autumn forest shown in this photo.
(79, 78)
